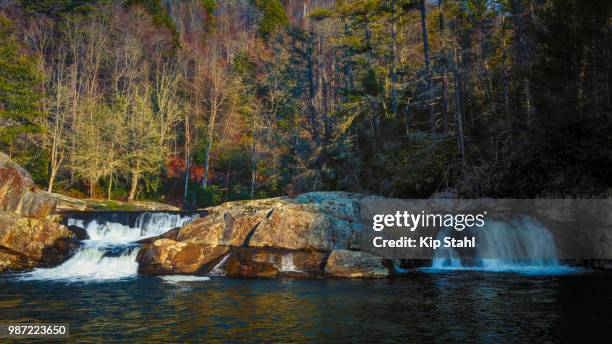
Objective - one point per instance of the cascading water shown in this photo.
(522, 245)
(217, 270)
(287, 264)
(110, 252)
(145, 225)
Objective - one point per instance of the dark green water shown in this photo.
(468, 307)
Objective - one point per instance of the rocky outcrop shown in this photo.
(283, 223)
(79, 232)
(114, 205)
(345, 263)
(26, 243)
(330, 234)
(153, 206)
(29, 235)
(268, 238)
(166, 256)
(18, 193)
(171, 234)
(67, 204)
(257, 262)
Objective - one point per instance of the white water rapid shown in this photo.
(522, 245)
(110, 252)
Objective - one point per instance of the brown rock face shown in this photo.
(256, 262)
(229, 224)
(66, 204)
(27, 238)
(18, 193)
(10, 260)
(14, 180)
(294, 227)
(280, 223)
(345, 263)
(250, 263)
(27, 242)
(269, 238)
(171, 234)
(165, 256)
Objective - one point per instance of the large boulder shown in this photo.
(67, 204)
(345, 263)
(282, 223)
(18, 193)
(26, 243)
(266, 238)
(168, 257)
(29, 236)
(294, 227)
(230, 224)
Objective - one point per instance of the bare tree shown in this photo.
(219, 89)
(142, 153)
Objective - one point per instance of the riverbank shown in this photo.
(317, 234)
(30, 233)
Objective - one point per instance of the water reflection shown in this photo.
(456, 307)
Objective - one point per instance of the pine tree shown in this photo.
(19, 93)
(274, 16)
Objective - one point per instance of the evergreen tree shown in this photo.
(273, 16)
(19, 87)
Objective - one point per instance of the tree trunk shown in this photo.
(92, 188)
(348, 71)
(54, 166)
(187, 158)
(528, 107)
(366, 30)
(253, 159)
(207, 163)
(445, 96)
(505, 79)
(432, 119)
(211, 131)
(312, 87)
(458, 115)
(227, 173)
(394, 100)
(54, 169)
(135, 177)
(75, 99)
(110, 187)
(445, 102)
(54, 160)
(51, 180)
(522, 53)
(253, 176)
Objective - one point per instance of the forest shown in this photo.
(198, 102)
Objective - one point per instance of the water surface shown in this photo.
(462, 306)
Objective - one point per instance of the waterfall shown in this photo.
(287, 264)
(218, 269)
(110, 252)
(522, 245)
(145, 225)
